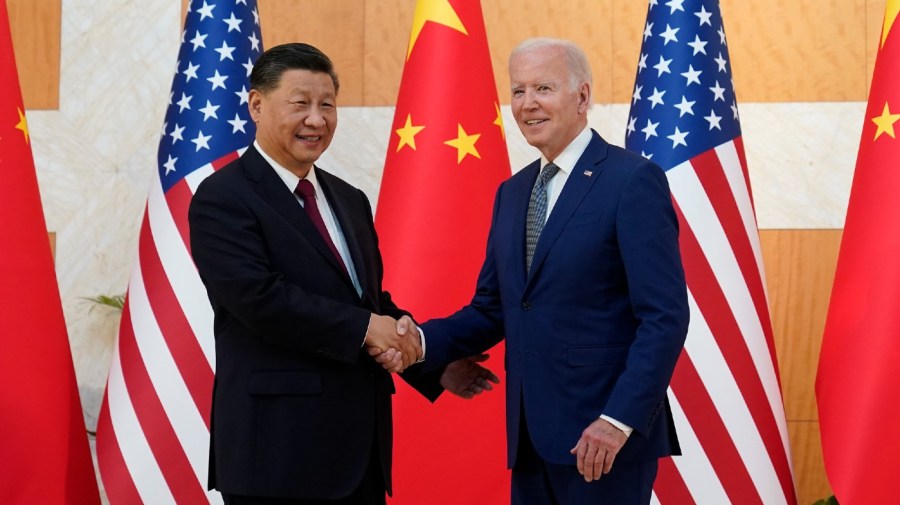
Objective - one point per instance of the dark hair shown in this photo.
(277, 60)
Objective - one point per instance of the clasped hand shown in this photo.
(464, 378)
(400, 337)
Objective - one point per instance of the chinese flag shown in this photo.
(446, 157)
(858, 384)
(44, 455)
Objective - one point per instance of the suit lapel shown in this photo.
(273, 191)
(577, 187)
(343, 215)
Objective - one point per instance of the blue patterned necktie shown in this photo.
(537, 212)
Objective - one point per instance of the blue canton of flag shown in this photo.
(683, 101)
(207, 116)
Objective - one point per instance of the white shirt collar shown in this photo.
(570, 155)
(289, 178)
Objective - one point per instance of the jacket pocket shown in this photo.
(597, 355)
(287, 382)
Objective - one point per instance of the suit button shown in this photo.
(526, 305)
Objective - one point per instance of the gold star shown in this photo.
(885, 122)
(408, 134)
(499, 120)
(464, 143)
(437, 11)
(23, 125)
(890, 15)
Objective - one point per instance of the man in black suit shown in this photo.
(288, 254)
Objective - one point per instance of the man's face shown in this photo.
(296, 121)
(549, 112)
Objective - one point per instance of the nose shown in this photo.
(530, 100)
(315, 118)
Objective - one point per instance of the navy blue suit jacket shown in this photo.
(597, 325)
(298, 405)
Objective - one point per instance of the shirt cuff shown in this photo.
(622, 426)
(421, 341)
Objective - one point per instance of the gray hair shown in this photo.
(576, 60)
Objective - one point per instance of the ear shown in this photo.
(584, 97)
(254, 104)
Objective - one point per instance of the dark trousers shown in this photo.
(537, 482)
(369, 492)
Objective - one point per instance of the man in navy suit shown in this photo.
(288, 254)
(583, 277)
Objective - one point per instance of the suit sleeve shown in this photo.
(230, 253)
(476, 327)
(647, 232)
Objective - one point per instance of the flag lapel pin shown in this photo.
(588, 173)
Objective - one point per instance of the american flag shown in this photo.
(725, 391)
(153, 430)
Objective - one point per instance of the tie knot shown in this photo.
(548, 172)
(305, 189)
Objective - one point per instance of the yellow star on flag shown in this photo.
(437, 11)
(890, 15)
(499, 121)
(885, 122)
(464, 143)
(408, 134)
(23, 125)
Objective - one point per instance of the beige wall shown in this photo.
(801, 51)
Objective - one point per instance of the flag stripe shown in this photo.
(749, 358)
(712, 433)
(117, 481)
(719, 172)
(170, 389)
(176, 331)
(178, 199)
(139, 459)
(696, 471)
(670, 486)
(182, 273)
(157, 430)
(723, 388)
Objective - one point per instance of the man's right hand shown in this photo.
(383, 334)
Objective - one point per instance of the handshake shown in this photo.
(395, 344)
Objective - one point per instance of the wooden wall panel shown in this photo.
(809, 50)
(874, 22)
(388, 24)
(629, 18)
(588, 23)
(809, 469)
(799, 271)
(36, 27)
(336, 27)
(800, 267)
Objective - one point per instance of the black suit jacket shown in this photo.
(297, 403)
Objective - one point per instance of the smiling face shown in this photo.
(296, 121)
(549, 111)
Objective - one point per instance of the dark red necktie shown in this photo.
(307, 193)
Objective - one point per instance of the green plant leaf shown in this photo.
(115, 301)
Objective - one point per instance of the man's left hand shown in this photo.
(466, 378)
(597, 448)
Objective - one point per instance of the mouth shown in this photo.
(309, 138)
(532, 122)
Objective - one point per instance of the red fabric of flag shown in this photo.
(44, 454)
(446, 157)
(858, 385)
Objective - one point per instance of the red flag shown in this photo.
(44, 454)
(446, 157)
(858, 385)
